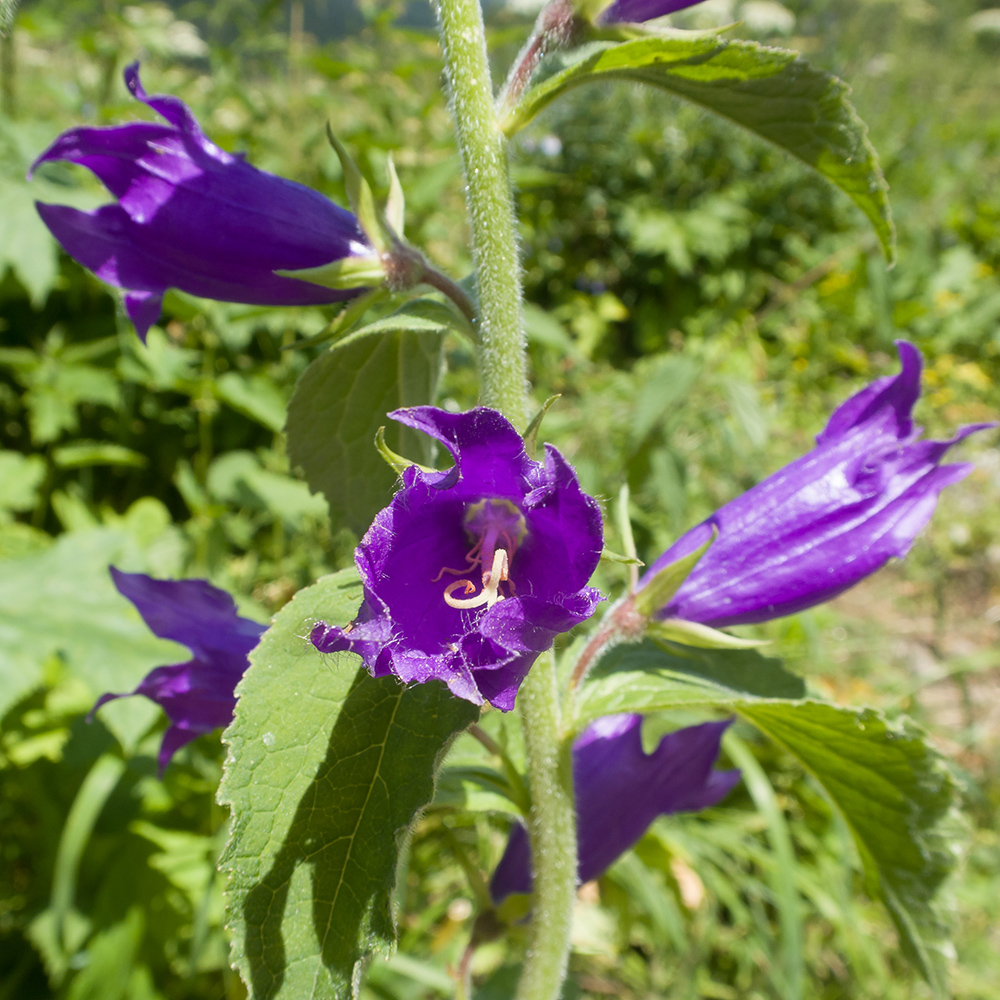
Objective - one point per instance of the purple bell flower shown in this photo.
(198, 695)
(470, 573)
(637, 11)
(826, 521)
(191, 216)
(620, 790)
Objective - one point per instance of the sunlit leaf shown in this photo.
(341, 401)
(651, 677)
(326, 770)
(772, 92)
(900, 802)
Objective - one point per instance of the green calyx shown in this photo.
(698, 635)
(351, 272)
(393, 459)
(657, 593)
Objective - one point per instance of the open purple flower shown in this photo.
(620, 790)
(637, 11)
(191, 216)
(470, 573)
(198, 695)
(827, 520)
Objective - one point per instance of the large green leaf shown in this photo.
(326, 770)
(771, 92)
(650, 677)
(900, 802)
(339, 404)
(890, 785)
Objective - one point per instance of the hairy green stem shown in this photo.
(552, 827)
(503, 385)
(491, 209)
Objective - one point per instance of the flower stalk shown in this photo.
(552, 829)
(503, 385)
(491, 209)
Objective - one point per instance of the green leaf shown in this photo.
(26, 245)
(327, 768)
(96, 788)
(341, 401)
(900, 802)
(255, 396)
(113, 971)
(238, 478)
(56, 389)
(420, 316)
(62, 603)
(20, 477)
(81, 454)
(475, 789)
(790, 968)
(891, 786)
(771, 92)
(650, 677)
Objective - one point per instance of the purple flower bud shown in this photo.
(198, 695)
(827, 520)
(620, 790)
(191, 216)
(470, 573)
(637, 11)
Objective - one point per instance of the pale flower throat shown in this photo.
(496, 528)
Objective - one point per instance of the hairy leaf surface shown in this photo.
(327, 768)
(650, 677)
(341, 401)
(900, 803)
(891, 786)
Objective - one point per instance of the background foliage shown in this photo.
(711, 300)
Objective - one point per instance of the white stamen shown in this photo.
(490, 593)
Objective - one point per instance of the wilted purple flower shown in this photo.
(470, 573)
(827, 520)
(637, 11)
(620, 790)
(191, 216)
(198, 695)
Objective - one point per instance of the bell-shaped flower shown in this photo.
(620, 790)
(824, 522)
(191, 216)
(637, 11)
(197, 695)
(471, 572)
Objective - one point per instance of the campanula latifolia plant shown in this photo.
(473, 603)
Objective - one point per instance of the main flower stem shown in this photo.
(491, 209)
(552, 827)
(503, 385)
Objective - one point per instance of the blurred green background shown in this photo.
(700, 301)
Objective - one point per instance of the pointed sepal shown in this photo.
(657, 593)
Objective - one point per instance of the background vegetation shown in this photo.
(711, 299)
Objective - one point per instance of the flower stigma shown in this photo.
(497, 528)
